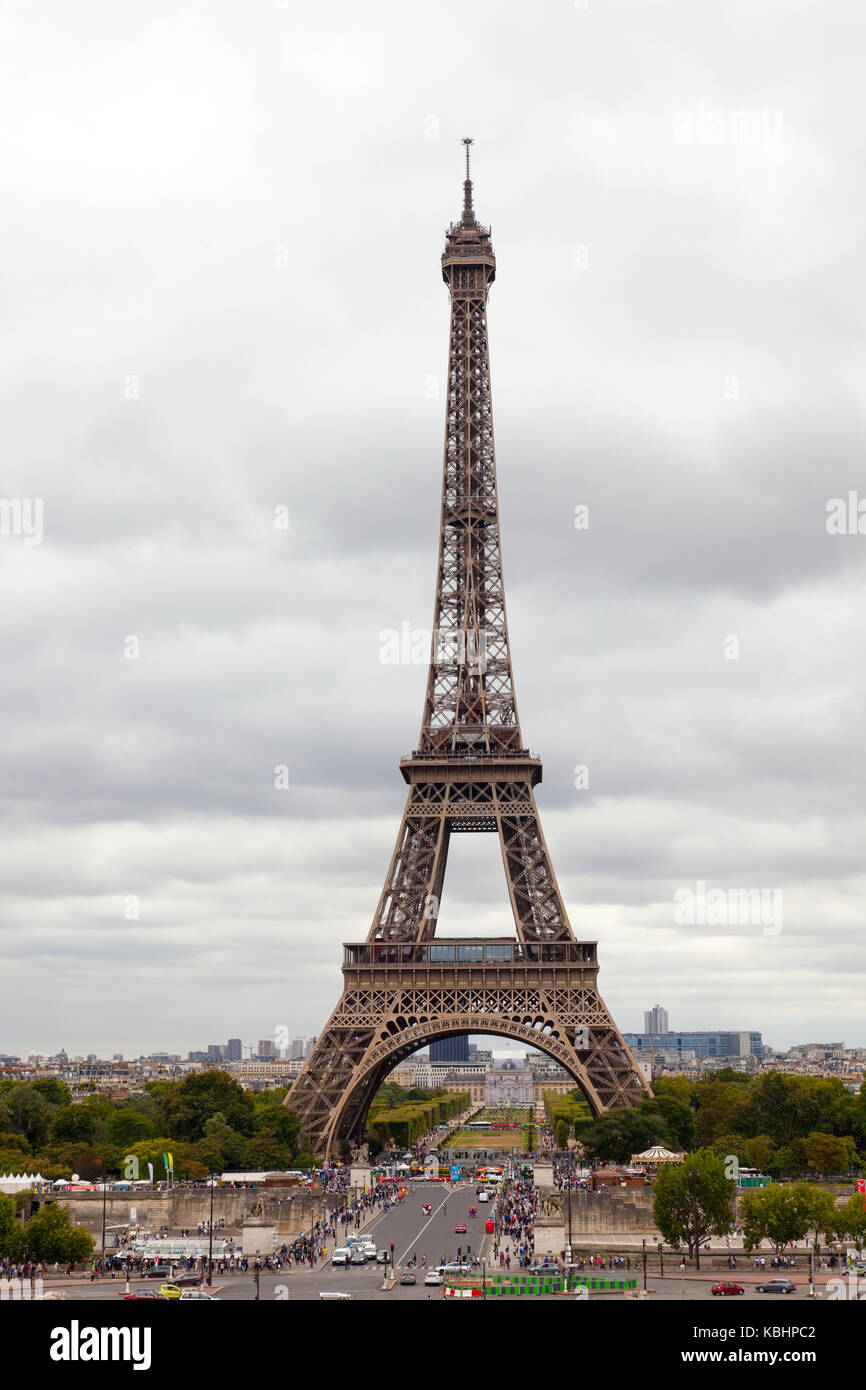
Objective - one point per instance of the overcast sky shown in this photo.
(222, 297)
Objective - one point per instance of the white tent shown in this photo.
(19, 1182)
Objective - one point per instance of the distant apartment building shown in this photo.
(266, 1048)
(655, 1020)
(702, 1045)
(264, 1075)
(234, 1050)
(453, 1049)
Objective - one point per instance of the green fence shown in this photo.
(521, 1285)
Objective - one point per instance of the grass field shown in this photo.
(507, 1140)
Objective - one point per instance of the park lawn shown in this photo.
(506, 1140)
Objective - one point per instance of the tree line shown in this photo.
(207, 1122)
(787, 1126)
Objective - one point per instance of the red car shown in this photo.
(725, 1287)
(460, 1230)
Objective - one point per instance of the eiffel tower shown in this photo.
(404, 986)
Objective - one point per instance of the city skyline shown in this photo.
(227, 393)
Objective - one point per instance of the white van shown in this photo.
(340, 1257)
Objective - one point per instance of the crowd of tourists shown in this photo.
(515, 1238)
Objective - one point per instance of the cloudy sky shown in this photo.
(223, 311)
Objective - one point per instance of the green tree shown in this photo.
(10, 1228)
(618, 1133)
(186, 1109)
(25, 1111)
(692, 1200)
(72, 1124)
(759, 1152)
(816, 1208)
(89, 1164)
(264, 1151)
(278, 1123)
(125, 1126)
(54, 1091)
(679, 1117)
(16, 1142)
(147, 1151)
(48, 1235)
(825, 1153)
(772, 1213)
(723, 1107)
(852, 1218)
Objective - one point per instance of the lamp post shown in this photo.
(210, 1234)
(104, 1198)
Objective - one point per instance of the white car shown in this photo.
(433, 1277)
(198, 1294)
(340, 1257)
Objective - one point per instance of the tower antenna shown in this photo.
(468, 210)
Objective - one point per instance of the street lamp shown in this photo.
(104, 1198)
(212, 1180)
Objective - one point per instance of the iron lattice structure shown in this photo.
(470, 773)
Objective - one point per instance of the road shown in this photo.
(413, 1233)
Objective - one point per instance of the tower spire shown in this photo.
(468, 218)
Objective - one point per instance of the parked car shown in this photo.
(777, 1286)
(725, 1287)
